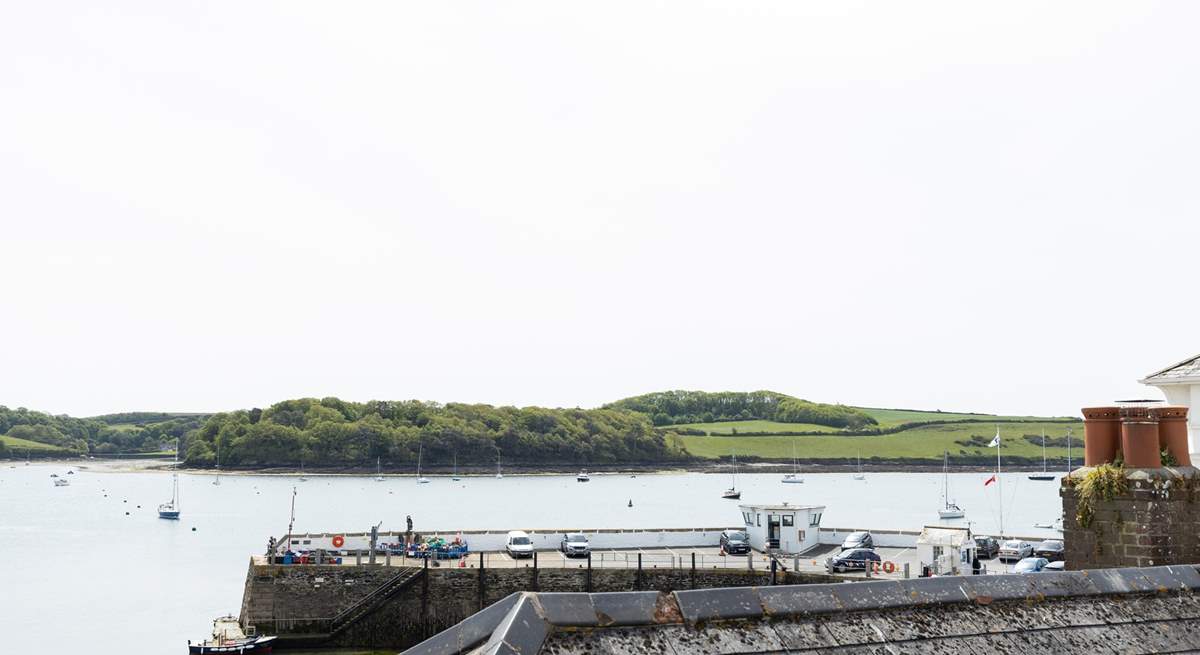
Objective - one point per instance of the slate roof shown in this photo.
(1188, 368)
(1150, 610)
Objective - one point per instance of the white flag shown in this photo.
(996, 441)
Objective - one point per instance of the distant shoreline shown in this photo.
(804, 468)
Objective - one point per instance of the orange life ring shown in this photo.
(338, 540)
(889, 567)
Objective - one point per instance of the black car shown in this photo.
(854, 559)
(987, 547)
(1051, 549)
(735, 542)
(858, 540)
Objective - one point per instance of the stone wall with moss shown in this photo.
(1154, 520)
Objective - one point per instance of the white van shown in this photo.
(518, 544)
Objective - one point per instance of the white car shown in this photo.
(1014, 550)
(518, 544)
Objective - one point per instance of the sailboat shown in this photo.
(454, 476)
(217, 480)
(420, 479)
(583, 476)
(732, 492)
(950, 511)
(1044, 475)
(498, 473)
(859, 475)
(302, 478)
(170, 510)
(378, 471)
(794, 476)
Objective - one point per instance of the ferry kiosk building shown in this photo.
(785, 528)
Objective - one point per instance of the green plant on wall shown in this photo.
(1167, 458)
(1104, 482)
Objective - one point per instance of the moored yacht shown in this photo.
(170, 509)
(583, 477)
(732, 492)
(794, 476)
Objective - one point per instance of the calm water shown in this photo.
(78, 571)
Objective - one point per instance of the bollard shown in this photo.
(867, 567)
(774, 564)
(589, 573)
(535, 571)
(387, 557)
(693, 575)
(638, 584)
(358, 558)
(906, 570)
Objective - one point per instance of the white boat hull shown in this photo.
(951, 513)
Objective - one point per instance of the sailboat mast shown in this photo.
(999, 486)
(1043, 450)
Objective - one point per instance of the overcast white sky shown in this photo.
(928, 205)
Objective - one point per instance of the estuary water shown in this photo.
(91, 565)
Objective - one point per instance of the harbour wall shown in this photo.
(604, 539)
(543, 539)
(298, 603)
(892, 538)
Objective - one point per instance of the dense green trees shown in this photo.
(335, 432)
(678, 407)
(101, 434)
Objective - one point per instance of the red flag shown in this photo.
(990, 480)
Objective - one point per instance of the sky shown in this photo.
(935, 205)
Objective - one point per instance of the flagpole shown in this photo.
(999, 485)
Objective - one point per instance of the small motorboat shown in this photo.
(54, 475)
(228, 638)
(70, 472)
(583, 477)
(62, 482)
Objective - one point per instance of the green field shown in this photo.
(927, 442)
(17, 445)
(893, 417)
(727, 427)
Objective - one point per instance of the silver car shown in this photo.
(574, 544)
(1014, 550)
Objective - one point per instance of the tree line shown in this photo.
(94, 435)
(679, 407)
(331, 431)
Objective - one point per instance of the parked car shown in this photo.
(1031, 565)
(518, 544)
(855, 558)
(574, 544)
(1051, 549)
(858, 540)
(1015, 549)
(735, 542)
(1055, 566)
(987, 547)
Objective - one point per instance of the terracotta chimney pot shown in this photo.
(1172, 432)
(1139, 438)
(1101, 435)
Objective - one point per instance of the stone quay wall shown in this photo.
(296, 602)
(1155, 522)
